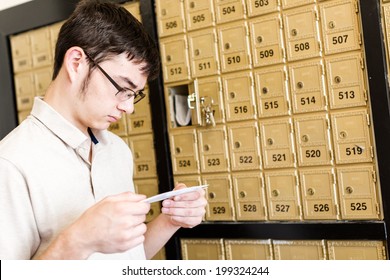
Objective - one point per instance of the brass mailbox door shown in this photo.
(261, 7)
(307, 84)
(213, 150)
(282, 195)
(202, 249)
(42, 80)
(203, 53)
(41, 47)
(249, 196)
(345, 79)
(319, 199)
(119, 127)
(210, 91)
(299, 250)
(219, 197)
(286, 4)
(358, 193)
(188, 180)
(276, 143)
(302, 33)
(143, 152)
(234, 49)
(248, 249)
(267, 40)
(340, 27)
(272, 91)
(174, 56)
(312, 135)
(24, 90)
(239, 96)
(170, 15)
(21, 52)
(229, 10)
(200, 14)
(356, 250)
(351, 136)
(244, 146)
(184, 151)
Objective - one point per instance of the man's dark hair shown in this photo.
(103, 30)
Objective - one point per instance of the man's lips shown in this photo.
(114, 118)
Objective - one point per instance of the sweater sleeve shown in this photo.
(19, 236)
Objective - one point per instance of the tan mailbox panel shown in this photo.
(134, 9)
(229, 10)
(149, 187)
(213, 150)
(21, 52)
(188, 180)
(234, 49)
(41, 47)
(42, 80)
(312, 135)
(219, 197)
(345, 78)
(202, 249)
(319, 199)
(203, 53)
(143, 152)
(210, 96)
(267, 40)
(356, 250)
(276, 143)
(140, 121)
(295, 3)
(302, 33)
(244, 144)
(248, 249)
(351, 136)
(340, 26)
(249, 196)
(239, 96)
(261, 7)
(272, 91)
(299, 250)
(358, 193)
(25, 91)
(184, 152)
(174, 56)
(282, 195)
(200, 14)
(170, 17)
(307, 83)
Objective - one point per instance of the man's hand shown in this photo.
(186, 210)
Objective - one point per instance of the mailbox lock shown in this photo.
(164, 12)
(212, 195)
(300, 85)
(270, 141)
(343, 134)
(264, 90)
(349, 190)
(151, 212)
(305, 138)
(294, 32)
(275, 192)
(259, 39)
(192, 5)
(310, 191)
(332, 24)
(206, 148)
(242, 194)
(169, 58)
(197, 52)
(136, 155)
(337, 79)
(178, 150)
(227, 46)
(237, 144)
(232, 94)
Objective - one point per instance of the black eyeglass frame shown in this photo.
(138, 96)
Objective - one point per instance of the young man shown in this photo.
(66, 189)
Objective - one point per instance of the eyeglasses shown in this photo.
(123, 93)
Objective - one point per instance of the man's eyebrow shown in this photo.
(130, 82)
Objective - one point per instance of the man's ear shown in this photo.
(75, 63)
